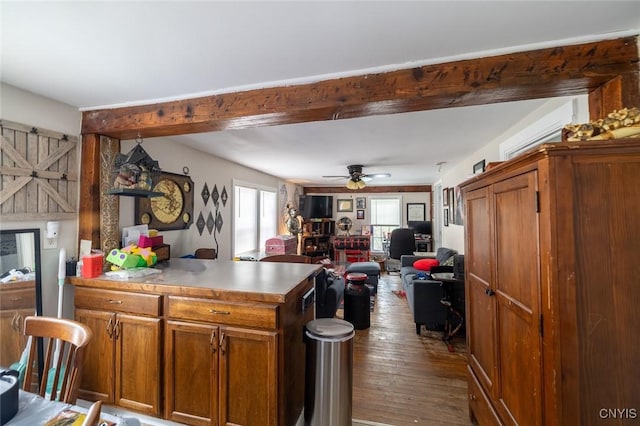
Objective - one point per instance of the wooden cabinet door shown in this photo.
(480, 305)
(191, 382)
(97, 372)
(137, 363)
(517, 294)
(248, 382)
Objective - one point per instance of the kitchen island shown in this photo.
(202, 342)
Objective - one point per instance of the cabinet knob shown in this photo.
(489, 292)
(472, 397)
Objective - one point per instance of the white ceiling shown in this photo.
(112, 53)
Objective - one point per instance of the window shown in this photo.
(385, 217)
(255, 214)
(547, 129)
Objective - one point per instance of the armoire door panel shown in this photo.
(520, 365)
(517, 283)
(478, 257)
(480, 304)
(481, 339)
(517, 246)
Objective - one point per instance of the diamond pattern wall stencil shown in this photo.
(219, 222)
(200, 223)
(205, 194)
(215, 195)
(224, 196)
(210, 222)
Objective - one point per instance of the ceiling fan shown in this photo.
(356, 178)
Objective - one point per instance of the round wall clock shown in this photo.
(173, 210)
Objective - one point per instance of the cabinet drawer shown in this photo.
(18, 299)
(118, 301)
(245, 314)
(479, 403)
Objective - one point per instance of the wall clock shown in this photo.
(173, 210)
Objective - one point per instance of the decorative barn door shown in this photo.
(38, 173)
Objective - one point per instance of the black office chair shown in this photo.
(402, 242)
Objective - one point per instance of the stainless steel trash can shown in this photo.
(328, 372)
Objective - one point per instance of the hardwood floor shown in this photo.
(400, 378)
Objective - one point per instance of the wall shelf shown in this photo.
(134, 193)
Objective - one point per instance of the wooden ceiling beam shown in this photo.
(544, 73)
(365, 190)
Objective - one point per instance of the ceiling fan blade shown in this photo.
(378, 175)
(336, 177)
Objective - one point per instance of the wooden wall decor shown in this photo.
(38, 173)
(110, 236)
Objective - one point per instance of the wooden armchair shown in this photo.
(73, 338)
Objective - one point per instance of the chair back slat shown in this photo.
(66, 341)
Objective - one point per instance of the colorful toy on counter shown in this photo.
(131, 256)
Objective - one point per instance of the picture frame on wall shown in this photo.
(361, 203)
(446, 217)
(416, 212)
(451, 194)
(478, 167)
(360, 214)
(458, 213)
(445, 196)
(345, 205)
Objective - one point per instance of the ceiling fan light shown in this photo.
(351, 184)
(360, 184)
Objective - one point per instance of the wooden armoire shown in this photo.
(552, 255)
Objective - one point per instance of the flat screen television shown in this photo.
(316, 206)
(422, 227)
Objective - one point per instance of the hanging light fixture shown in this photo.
(355, 183)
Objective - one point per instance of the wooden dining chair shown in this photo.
(289, 258)
(63, 373)
(93, 415)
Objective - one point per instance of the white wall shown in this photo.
(454, 174)
(26, 108)
(172, 157)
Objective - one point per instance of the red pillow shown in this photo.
(425, 264)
